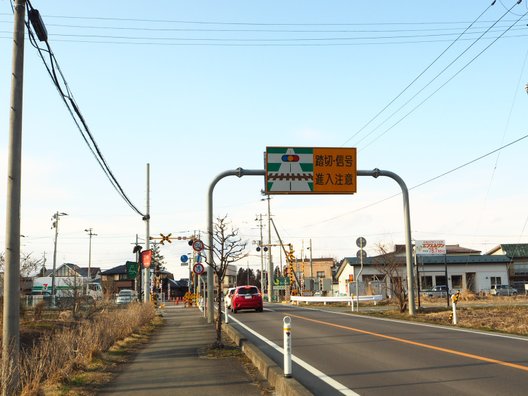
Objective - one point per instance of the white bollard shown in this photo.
(454, 299)
(225, 310)
(287, 347)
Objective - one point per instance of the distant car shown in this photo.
(126, 296)
(503, 290)
(437, 291)
(246, 297)
(229, 295)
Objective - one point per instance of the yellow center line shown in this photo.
(420, 344)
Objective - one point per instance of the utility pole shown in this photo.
(55, 224)
(311, 260)
(146, 271)
(261, 248)
(11, 317)
(91, 234)
(270, 264)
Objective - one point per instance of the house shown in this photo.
(460, 268)
(317, 273)
(518, 255)
(116, 279)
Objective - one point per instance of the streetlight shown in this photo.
(55, 224)
(91, 234)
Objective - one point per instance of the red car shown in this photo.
(246, 297)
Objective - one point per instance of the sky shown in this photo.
(427, 90)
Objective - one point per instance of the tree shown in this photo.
(389, 266)
(227, 249)
(28, 264)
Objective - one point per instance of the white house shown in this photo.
(459, 269)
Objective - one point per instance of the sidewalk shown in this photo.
(171, 364)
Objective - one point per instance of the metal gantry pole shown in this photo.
(11, 308)
(239, 172)
(407, 229)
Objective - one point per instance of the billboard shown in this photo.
(431, 247)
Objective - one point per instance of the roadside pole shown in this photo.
(11, 317)
(146, 218)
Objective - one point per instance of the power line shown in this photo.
(417, 77)
(424, 182)
(435, 91)
(195, 22)
(72, 107)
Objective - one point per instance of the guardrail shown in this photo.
(348, 299)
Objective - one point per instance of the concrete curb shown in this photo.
(267, 367)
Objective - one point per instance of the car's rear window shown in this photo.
(248, 290)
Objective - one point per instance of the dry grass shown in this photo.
(502, 314)
(70, 347)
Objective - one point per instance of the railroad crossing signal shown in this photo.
(169, 238)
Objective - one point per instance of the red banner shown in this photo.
(146, 258)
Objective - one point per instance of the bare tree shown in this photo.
(28, 264)
(227, 248)
(389, 265)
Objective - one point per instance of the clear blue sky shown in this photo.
(196, 88)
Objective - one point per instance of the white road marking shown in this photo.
(480, 332)
(322, 376)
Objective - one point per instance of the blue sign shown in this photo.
(184, 258)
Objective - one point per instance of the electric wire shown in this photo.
(70, 101)
(424, 182)
(435, 78)
(439, 88)
(418, 76)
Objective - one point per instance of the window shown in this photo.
(320, 274)
(440, 280)
(427, 282)
(495, 280)
(456, 281)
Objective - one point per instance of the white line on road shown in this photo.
(322, 376)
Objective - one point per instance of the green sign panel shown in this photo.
(132, 269)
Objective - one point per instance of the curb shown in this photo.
(267, 367)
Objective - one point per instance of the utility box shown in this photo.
(325, 284)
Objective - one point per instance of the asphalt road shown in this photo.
(351, 354)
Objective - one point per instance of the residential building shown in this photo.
(460, 268)
(518, 265)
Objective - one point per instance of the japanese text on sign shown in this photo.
(311, 170)
(431, 247)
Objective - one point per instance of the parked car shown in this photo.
(503, 290)
(126, 296)
(229, 295)
(246, 297)
(437, 291)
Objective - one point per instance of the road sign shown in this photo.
(198, 245)
(431, 247)
(361, 242)
(132, 269)
(184, 258)
(361, 254)
(311, 170)
(146, 258)
(198, 269)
